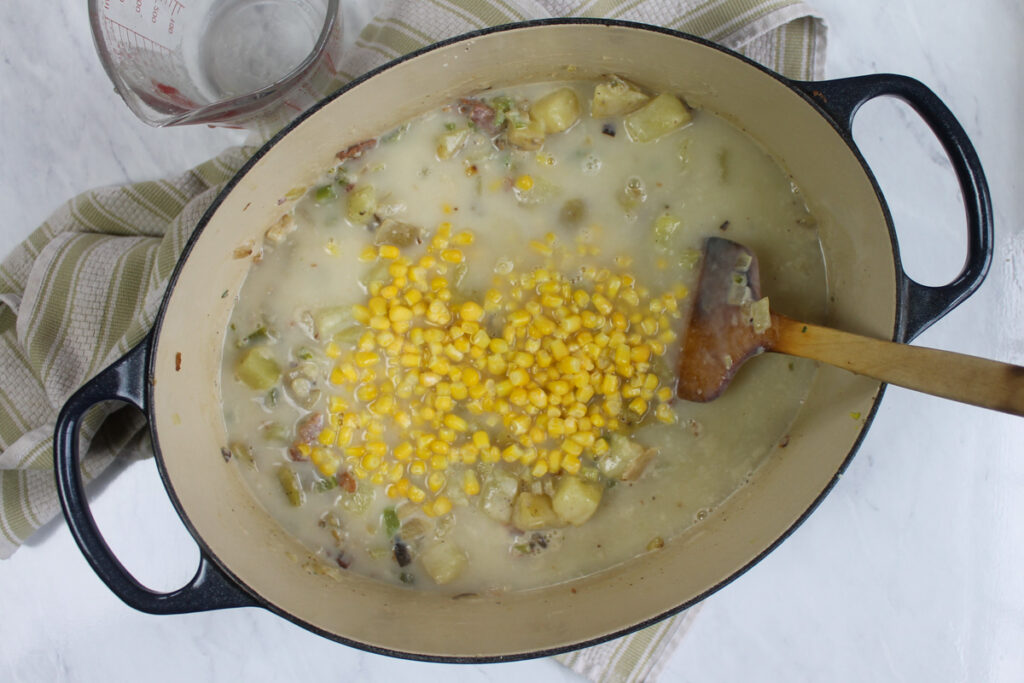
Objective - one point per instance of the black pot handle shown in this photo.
(840, 99)
(125, 380)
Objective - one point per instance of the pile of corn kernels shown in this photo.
(535, 374)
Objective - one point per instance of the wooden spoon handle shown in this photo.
(968, 379)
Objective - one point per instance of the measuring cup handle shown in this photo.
(125, 380)
(922, 305)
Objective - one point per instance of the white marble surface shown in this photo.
(910, 570)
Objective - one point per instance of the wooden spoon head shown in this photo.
(720, 336)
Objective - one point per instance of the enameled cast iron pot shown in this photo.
(247, 560)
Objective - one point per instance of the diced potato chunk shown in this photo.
(444, 561)
(575, 501)
(327, 321)
(362, 202)
(397, 233)
(449, 144)
(527, 134)
(534, 511)
(497, 493)
(616, 97)
(625, 459)
(258, 369)
(662, 115)
(557, 110)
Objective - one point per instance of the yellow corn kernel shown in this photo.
(464, 237)
(327, 437)
(399, 314)
(384, 405)
(368, 253)
(436, 481)
(518, 377)
(511, 453)
(518, 397)
(366, 392)
(403, 451)
(452, 256)
(471, 311)
(365, 359)
(518, 425)
(481, 439)
(519, 318)
(388, 251)
(439, 461)
(538, 397)
(665, 413)
(638, 406)
(540, 468)
(524, 183)
(571, 464)
(444, 403)
(470, 483)
(416, 494)
(554, 461)
(541, 248)
(441, 506)
(455, 422)
(664, 394)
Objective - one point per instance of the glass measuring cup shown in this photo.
(220, 62)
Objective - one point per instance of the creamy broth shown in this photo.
(582, 208)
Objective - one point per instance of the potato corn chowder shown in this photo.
(452, 362)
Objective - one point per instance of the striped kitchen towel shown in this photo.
(85, 286)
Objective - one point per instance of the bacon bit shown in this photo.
(226, 454)
(347, 482)
(355, 151)
(309, 428)
(177, 361)
(480, 113)
(724, 226)
(244, 250)
(295, 454)
(784, 442)
(343, 562)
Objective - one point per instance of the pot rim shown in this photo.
(868, 418)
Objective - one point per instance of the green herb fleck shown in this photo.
(322, 485)
(449, 126)
(391, 522)
(325, 193)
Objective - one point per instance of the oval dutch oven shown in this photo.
(247, 560)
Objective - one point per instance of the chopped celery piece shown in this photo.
(391, 522)
(291, 485)
(324, 194)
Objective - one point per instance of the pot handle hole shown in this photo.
(923, 305)
(125, 381)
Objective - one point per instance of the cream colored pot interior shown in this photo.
(246, 540)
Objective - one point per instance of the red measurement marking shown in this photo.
(174, 6)
(130, 37)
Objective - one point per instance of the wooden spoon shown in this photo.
(730, 323)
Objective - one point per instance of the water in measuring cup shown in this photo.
(250, 44)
